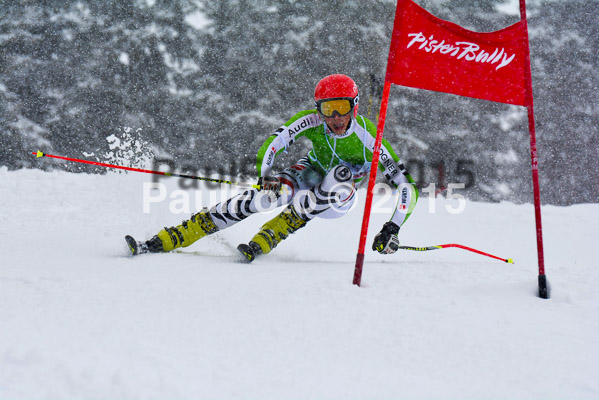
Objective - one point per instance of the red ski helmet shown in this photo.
(337, 86)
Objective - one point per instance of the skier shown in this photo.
(321, 184)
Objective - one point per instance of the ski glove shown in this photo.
(270, 184)
(386, 241)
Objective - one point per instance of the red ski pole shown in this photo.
(444, 246)
(39, 154)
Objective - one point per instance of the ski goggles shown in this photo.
(342, 106)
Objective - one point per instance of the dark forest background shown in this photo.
(206, 95)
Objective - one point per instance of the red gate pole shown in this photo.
(543, 286)
(371, 182)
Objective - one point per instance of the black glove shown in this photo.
(386, 241)
(270, 184)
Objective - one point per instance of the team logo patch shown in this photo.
(342, 173)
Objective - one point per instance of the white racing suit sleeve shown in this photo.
(283, 138)
(268, 152)
(398, 176)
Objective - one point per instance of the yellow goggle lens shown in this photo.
(342, 106)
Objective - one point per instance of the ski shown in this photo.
(135, 247)
(247, 252)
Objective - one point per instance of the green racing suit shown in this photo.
(353, 149)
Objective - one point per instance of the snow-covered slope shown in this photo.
(79, 319)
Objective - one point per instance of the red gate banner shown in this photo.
(430, 53)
